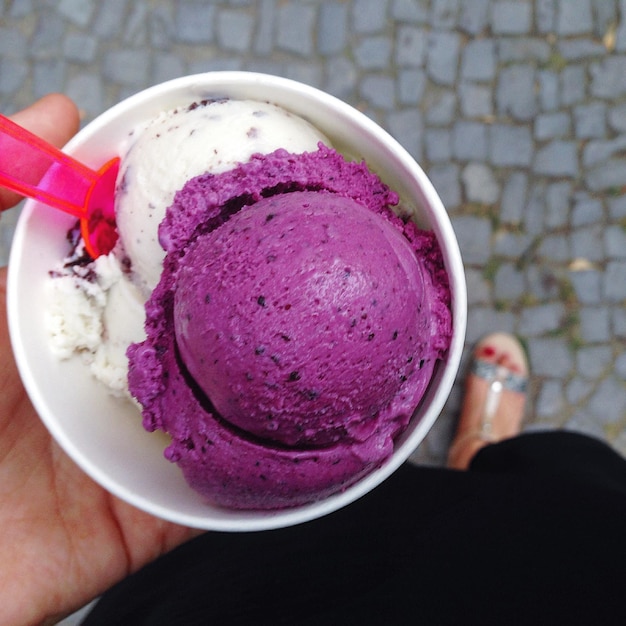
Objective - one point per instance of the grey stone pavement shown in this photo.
(515, 109)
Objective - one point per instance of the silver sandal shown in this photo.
(499, 378)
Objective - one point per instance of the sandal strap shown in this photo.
(491, 371)
(499, 379)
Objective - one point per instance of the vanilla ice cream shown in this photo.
(178, 145)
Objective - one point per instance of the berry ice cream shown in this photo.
(293, 332)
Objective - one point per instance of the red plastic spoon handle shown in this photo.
(34, 168)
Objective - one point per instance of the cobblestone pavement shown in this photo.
(515, 109)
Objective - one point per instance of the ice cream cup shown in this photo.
(103, 434)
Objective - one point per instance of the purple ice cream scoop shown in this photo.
(293, 332)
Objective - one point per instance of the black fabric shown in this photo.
(535, 533)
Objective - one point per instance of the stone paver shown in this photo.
(515, 109)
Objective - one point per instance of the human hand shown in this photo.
(64, 539)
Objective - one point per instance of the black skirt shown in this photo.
(534, 533)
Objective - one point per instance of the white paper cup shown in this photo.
(104, 435)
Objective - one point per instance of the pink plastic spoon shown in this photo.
(35, 169)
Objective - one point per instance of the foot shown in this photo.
(495, 398)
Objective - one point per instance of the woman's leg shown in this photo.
(495, 398)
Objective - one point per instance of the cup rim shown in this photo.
(368, 132)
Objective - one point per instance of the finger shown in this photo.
(53, 118)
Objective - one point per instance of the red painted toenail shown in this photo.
(487, 351)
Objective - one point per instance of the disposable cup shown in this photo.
(104, 434)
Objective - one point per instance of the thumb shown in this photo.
(55, 119)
